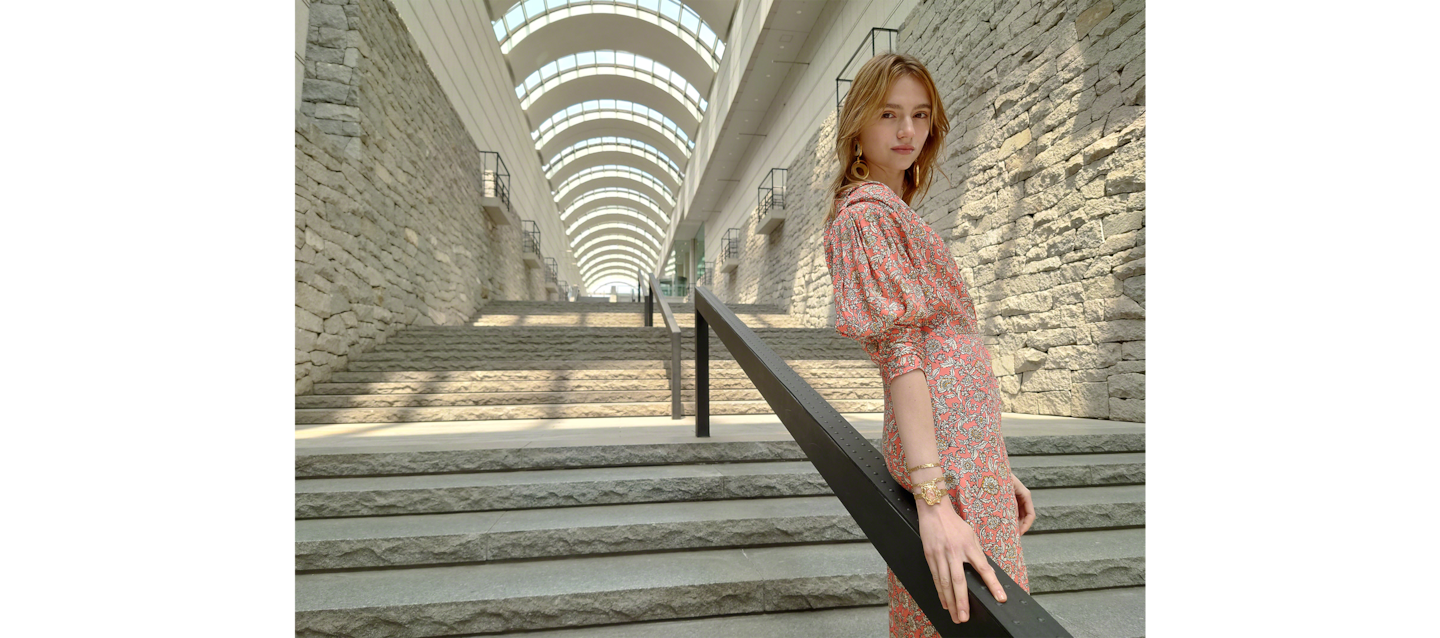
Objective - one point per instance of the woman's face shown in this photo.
(893, 140)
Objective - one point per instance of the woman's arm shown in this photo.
(948, 540)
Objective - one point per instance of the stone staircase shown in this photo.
(657, 534)
(517, 364)
(508, 314)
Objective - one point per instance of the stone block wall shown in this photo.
(1043, 208)
(389, 231)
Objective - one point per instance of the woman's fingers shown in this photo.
(961, 611)
(1027, 511)
(936, 569)
(987, 573)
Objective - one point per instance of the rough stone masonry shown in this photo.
(1042, 198)
(388, 227)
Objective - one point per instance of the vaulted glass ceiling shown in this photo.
(616, 91)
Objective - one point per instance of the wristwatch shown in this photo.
(931, 491)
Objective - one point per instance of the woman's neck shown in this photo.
(894, 182)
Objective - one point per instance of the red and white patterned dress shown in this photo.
(899, 293)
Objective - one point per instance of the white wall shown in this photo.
(805, 105)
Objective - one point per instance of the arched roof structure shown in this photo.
(616, 91)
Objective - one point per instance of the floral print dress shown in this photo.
(899, 293)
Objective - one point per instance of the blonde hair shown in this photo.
(864, 102)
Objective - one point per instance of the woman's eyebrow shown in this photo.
(897, 106)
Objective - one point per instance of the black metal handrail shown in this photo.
(858, 476)
(652, 285)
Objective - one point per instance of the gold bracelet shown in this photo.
(929, 482)
(921, 467)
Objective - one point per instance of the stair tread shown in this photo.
(566, 518)
(557, 577)
(528, 477)
(573, 575)
(419, 525)
(1054, 460)
(1103, 613)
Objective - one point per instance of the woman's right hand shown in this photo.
(949, 543)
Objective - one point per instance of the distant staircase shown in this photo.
(535, 360)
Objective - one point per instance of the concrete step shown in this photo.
(561, 397)
(490, 491)
(472, 361)
(657, 367)
(619, 320)
(1110, 459)
(527, 489)
(659, 382)
(1101, 613)
(598, 590)
(477, 537)
(1079, 469)
(548, 411)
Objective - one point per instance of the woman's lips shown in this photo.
(903, 150)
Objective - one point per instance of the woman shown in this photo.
(899, 292)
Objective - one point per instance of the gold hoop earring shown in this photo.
(858, 169)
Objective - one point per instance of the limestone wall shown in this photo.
(1044, 208)
(388, 228)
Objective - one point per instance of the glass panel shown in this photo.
(709, 39)
(500, 29)
(605, 57)
(587, 57)
(690, 21)
(653, 5)
(567, 62)
(705, 32)
(670, 9)
(625, 59)
(534, 8)
(548, 70)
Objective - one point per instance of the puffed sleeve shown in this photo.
(880, 296)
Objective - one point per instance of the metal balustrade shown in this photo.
(770, 202)
(494, 188)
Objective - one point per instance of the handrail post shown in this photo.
(649, 295)
(702, 374)
(677, 411)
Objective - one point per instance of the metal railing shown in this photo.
(858, 476)
(878, 40)
(494, 177)
(529, 236)
(770, 194)
(650, 288)
(552, 270)
(730, 244)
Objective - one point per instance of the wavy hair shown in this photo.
(864, 102)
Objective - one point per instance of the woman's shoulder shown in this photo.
(867, 193)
